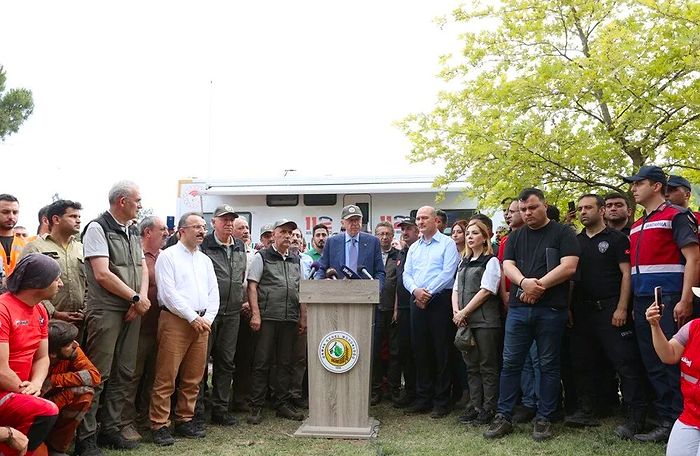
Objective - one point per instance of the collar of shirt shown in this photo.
(437, 237)
(185, 249)
(48, 237)
(284, 256)
(228, 244)
(348, 237)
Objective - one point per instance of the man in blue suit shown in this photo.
(352, 248)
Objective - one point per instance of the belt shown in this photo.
(600, 304)
(199, 312)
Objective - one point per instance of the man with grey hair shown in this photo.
(153, 233)
(228, 256)
(117, 278)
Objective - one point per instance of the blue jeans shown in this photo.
(544, 325)
(530, 378)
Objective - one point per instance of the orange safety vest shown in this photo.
(18, 244)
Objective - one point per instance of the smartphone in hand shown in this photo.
(572, 206)
(657, 299)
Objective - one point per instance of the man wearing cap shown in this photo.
(277, 319)
(189, 295)
(24, 350)
(663, 252)
(402, 316)
(352, 248)
(229, 258)
(265, 236)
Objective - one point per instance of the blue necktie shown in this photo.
(352, 256)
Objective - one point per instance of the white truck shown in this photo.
(313, 200)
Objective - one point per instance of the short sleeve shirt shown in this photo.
(599, 275)
(529, 250)
(23, 327)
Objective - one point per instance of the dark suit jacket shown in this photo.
(388, 295)
(369, 255)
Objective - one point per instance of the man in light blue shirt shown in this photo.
(430, 269)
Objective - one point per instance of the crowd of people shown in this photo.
(109, 333)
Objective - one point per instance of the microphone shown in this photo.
(331, 274)
(349, 273)
(363, 270)
(314, 267)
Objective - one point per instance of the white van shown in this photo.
(309, 201)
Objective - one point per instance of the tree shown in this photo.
(568, 95)
(16, 105)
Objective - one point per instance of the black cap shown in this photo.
(653, 173)
(678, 181)
(225, 210)
(408, 222)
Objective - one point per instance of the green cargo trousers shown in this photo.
(111, 345)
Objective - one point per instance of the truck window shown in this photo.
(282, 200)
(321, 200)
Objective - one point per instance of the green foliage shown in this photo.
(567, 95)
(16, 105)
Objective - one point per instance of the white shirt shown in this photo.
(187, 283)
(491, 279)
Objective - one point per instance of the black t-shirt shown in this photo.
(530, 248)
(7, 245)
(598, 275)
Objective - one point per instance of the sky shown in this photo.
(159, 91)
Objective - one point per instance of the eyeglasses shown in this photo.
(196, 227)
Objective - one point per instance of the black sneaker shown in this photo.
(439, 412)
(485, 417)
(468, 415)
(189, 430)
(255, 416)
(375, 398)
(88, 447)
(659, 434)
(581, 418)
(300, 402)
(162, 436)
(225, 419)
(288, 411)
(523, 414)
(115, 441)
(541, 430)
(404, 400)
(499, 427)
(416, 408)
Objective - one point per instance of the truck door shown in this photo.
(364, 202)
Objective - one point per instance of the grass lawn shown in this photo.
(399, 435)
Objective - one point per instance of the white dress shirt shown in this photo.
(187, 283)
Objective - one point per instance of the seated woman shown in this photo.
(684, 347)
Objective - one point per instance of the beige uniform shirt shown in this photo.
(70, 298)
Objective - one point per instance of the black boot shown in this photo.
(659, 434)
(634, 424)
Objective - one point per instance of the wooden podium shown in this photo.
(339, 324)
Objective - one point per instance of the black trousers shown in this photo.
(594, 338)
(385, 331)
(407, 364)
(274, 340)
(432, 334)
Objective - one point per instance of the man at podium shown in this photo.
(352, 249)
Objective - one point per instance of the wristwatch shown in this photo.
(136, 298)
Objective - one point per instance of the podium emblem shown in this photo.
(338, 352)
